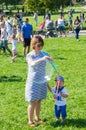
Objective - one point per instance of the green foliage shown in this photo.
(70, 57)
(34, 5)
(7, 2)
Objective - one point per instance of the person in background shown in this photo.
(4, 38)
(14, 42)
(27, 32)
(8, 24)
(61, 26)
(47, 15)
(35, 16)
(41, 27)
(77, 24)
(82, 18)
(35, 92)
(70, 21)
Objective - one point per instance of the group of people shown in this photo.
(59, 24)
(13, 31)
(23, 31)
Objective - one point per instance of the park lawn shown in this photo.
(70, 57)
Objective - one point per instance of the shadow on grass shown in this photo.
(62, 58)
(11, 78)
(79, 123)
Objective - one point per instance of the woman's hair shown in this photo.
(77, 17)
(35, 40)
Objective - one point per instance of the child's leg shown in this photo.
(14, 55)
(57, 112)
(63, 112)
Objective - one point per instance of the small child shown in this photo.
(19, 34)
(14, 41)
(60, 95)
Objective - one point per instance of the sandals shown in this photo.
(39, 120)
(32, 124)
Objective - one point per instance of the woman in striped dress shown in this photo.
(36, 87)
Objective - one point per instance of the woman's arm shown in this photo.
(49, 88)
(33, 63)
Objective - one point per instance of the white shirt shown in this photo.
(3, 34)
(62, 100)
(8, 24)
(14, 43)
(61, 22)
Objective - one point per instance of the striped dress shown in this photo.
(36, 86)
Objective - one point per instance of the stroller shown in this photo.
(50, 30)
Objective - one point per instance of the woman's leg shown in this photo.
(37, 110)
(76, 34)
(31, 112)
(14, 55)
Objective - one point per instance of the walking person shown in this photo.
(8, 24)
(36, 18)
(34, 91)
(77, 24)
(82, 18)
(4, 38)
(27, 32)
(70, 22)
(61, 26)
(14, 42)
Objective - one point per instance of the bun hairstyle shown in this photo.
(35, 40)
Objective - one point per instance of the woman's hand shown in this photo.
(47, 58)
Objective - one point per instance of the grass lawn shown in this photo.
(70, 57)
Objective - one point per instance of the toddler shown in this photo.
(60, 95)
(14, 42)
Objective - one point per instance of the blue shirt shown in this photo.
(27, 30)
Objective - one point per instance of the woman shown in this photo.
(61, 26)
(35, 91)
(77, 27)
(70, 21)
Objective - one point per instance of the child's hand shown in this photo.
(64, 95)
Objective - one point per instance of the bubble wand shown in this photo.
(51, 62)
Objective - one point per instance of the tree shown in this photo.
(41, 5)
(8, 2)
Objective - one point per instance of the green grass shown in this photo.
(70, 57)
